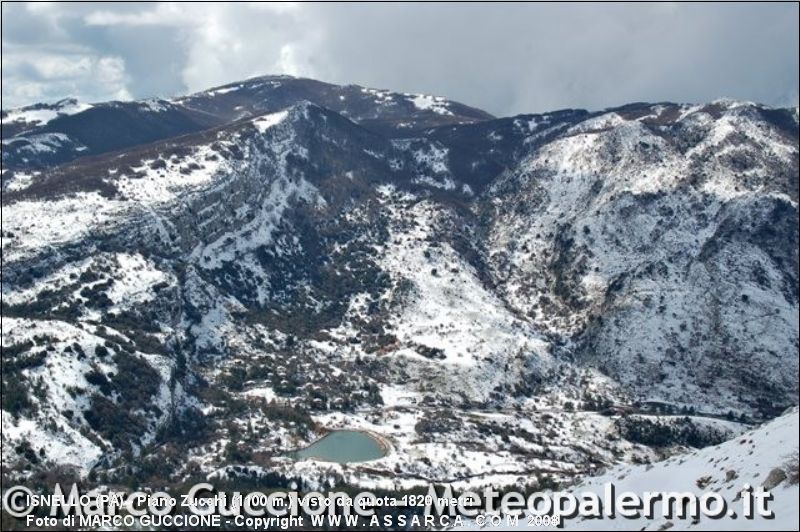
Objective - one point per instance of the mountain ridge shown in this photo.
(487, 295)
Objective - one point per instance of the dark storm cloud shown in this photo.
(505, 58)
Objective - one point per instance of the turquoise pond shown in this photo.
(343, 446)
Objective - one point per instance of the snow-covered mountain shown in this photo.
(44, 134)
(228, 275)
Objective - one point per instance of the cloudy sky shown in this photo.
(507, 59)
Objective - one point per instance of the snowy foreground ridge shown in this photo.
(758, 458)
(522, 302)
(766, 456)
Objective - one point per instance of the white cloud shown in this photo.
(225, 42)
(63, 73)
(506, 59)
(163, 14)
(229, 42)
(289, 63)
(276, 7)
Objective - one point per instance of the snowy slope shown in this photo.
(659, 250)
(39, 115)
(748, 459)
(766, 456)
